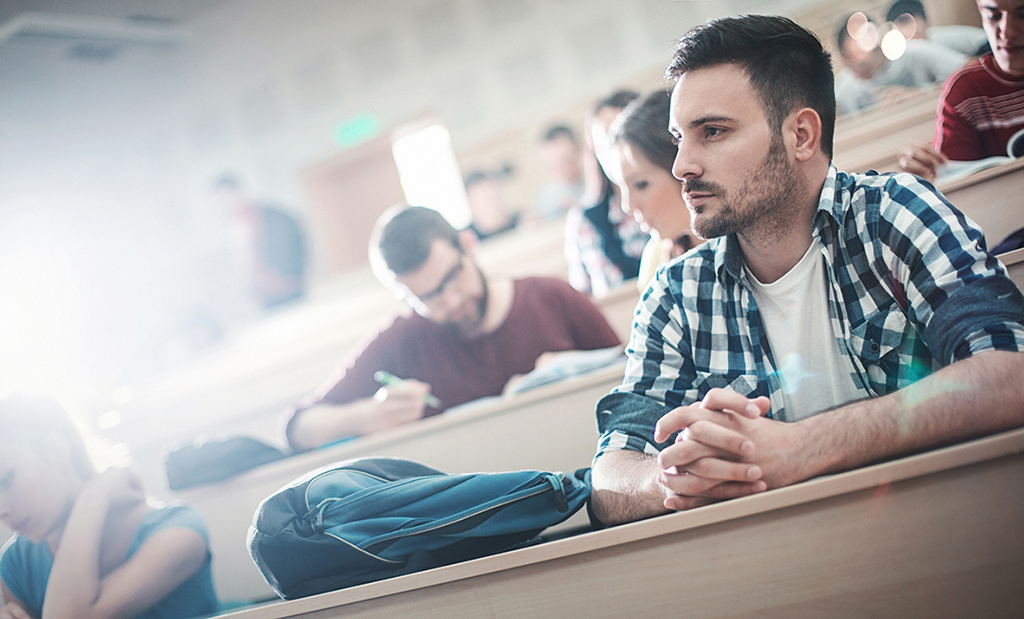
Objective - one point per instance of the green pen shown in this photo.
(388, 379)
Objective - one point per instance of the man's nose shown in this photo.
(1012, 26)
(685, 165)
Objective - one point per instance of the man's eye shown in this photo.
(712, 132)
(641, 185)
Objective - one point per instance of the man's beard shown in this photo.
(766, 203)
(472, 326)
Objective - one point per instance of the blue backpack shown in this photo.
(368, 519)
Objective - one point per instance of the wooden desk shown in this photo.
(551, 428)
(874, 139)
(992, 198)
(933, 535)
(536, 248)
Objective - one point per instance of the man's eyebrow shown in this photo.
(707, 120)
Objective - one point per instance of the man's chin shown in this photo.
(467, 327)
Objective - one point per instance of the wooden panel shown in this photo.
(883, 152)
(933, 535)
(346, 194)
(992, 199)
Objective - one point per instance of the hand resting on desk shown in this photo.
(390, 406)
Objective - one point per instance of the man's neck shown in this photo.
(501, 292)
(770, 253)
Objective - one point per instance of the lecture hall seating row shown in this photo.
(931, 535)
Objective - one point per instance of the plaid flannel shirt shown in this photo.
(911, 288)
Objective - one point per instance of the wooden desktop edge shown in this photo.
(956, 456)
(423, 428)
(1012, 257)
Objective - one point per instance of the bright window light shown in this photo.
(430, 174)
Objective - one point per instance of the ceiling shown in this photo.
(97, 30)
(178, 11)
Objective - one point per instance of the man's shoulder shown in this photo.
(403, 323)
(697, 266)
(923, 51)
(872, 188)
(541, 284)
(967, 79)
(889, 206)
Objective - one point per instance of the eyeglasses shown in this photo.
(428, 297)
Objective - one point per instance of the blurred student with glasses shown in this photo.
(462, 336)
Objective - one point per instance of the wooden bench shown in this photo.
(932, 535)
(552, 428)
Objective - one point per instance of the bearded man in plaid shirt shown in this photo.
(834, 320)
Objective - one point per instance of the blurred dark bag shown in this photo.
(1014, 241)
(210, 461)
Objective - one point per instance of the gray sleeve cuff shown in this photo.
(991, 305)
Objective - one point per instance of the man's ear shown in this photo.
(469, 242)
(805, 125)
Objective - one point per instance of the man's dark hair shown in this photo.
(913, 7)
(405, 235)
(786, 64)
(555, 132)
(644, 126)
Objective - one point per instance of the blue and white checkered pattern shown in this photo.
(905, 273)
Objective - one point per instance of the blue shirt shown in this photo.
(911, 288)
(25, 568)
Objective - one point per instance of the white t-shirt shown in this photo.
(816, 375)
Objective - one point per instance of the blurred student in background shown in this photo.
(563, 159)
(463, 336)
(910, 19)
(89, 544)
(602, 245)
(650, 194)
(267, 242)
(869, 77)
(491, 213)
(982, 105)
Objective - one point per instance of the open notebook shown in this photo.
(955, 170)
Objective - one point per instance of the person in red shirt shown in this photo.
(982, 105)
(463, 336)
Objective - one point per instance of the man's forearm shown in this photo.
(626, 487)
(321, 424)
(980, 395)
